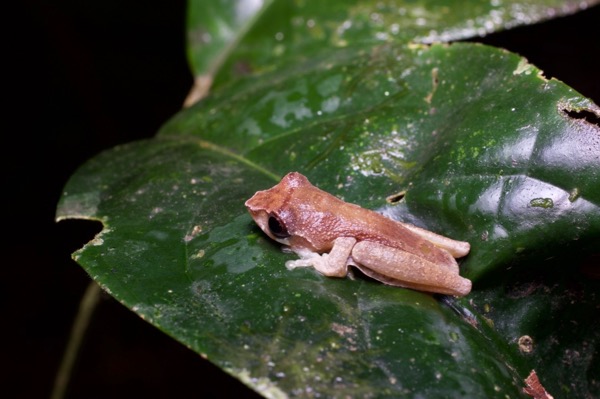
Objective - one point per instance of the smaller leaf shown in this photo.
(214, 29)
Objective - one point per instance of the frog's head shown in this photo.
(272, 209)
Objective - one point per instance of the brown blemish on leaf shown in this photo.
(525, 344)
(349, 333)
(434, 85)
(197, 229)
(523, 289)
(534, 388)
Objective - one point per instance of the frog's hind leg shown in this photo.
(396, 267)
(457, 249)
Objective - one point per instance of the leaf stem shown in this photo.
(82, 320)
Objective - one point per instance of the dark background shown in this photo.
(84, 77)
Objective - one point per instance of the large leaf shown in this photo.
(481, 147)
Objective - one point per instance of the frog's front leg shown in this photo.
(332, 264)
(396, 267)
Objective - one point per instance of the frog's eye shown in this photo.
(277, 228)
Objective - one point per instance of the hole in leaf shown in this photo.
(395, 198)
(78, 232)
(584, 114)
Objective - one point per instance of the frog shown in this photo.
(332, 235)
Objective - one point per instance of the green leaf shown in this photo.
(475, 141)
(215, 28)
(232, 38)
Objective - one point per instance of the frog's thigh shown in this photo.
(457, 249)
(410, 269)
(333, 264)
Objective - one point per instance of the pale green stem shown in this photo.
(82, 320)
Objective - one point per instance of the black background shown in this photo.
(83, 77)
